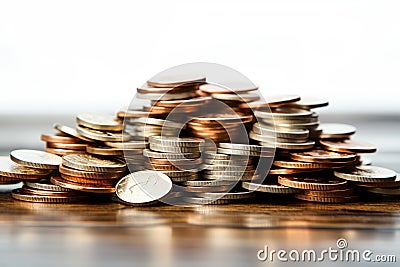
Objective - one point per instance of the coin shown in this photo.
(326, 199)
(176, 141)
(329, 193)
(104, 189)
(245, 152)
(46, 186)
(40, 192)
(312, 183)
(91, 174)
(290, 146)
(349, 146)
(89, 182)
(246, 98)
(384, 191)
(75, 146)
(366, 174)
(163, 155)
(11, 169)
(87, 162)
(143, 187)
(102, 135)
(59, 139)
(20, 195)
(336, 131)
(322, 156)
(104, 151)
(99, 122)
(70, 131)
(283, 133)
(309, 103)
(127, 145)
(269, 188)
(283, 112)
(228, 195)
(307, 165)
(284, 171)
(205, 201)
(204, 183)
(35, 159)
(176, 80)
(228, 88)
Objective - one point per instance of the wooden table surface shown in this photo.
(111, 234)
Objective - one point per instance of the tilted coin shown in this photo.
(277, 100)
(321, 156)
(309, 103)
(70, 131)
(269, 188)
(336, 130)
(69, 146)
(143, 187)
(35, 159)
(11, 169)
(366, 174)
(176, 80)
(312, 183)
(99, 122)
(349, 146)
(92, 163)
(102, 135)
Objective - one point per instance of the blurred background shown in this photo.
(61, 58)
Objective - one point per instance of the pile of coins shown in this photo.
(195, 142)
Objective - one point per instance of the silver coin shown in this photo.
(35, 159)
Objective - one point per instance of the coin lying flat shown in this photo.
(329, 193)
(319, 155)
(104, 151)
(176, 80)
(312, 183)
(228, 88)
(366, 174)
(307, 165)
(269, 188)
(384, 191)
(35, 159)
(46, 186)
(11, 169)
(143, 187)
(246, 98)
(176, 141)
(59, 139)
(327, 199)
(20, 195)
(349, 146)
(336, 130)
(90, 188)
(99, 121)
(309, 103)
(127, 145)
(87, 162)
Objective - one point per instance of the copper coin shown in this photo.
(87, 162)
(90, 182)
(71, 146)
(327, 199)
(283, 171)
(45, 185)
(349, 146)
(62, 152)
(310, 103)
(312, 183)
(329, 193)
(81, 187)
(9, 180)
(11, 169)
(322, 156)
(104, 151)
(20, 195)
(59, 139)
(228, 88)
(34, 191)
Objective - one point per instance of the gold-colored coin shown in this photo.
(244, 98)
(63, 152)
(44, 185)
(11, 169)
(176, 81)
(347, 146)
(162, 155)
(366, 174)
(71, 132)
(326, 199)
(35, 159)
(312, 183)
(87, 162)
(323, 156)
(174, 149)
(231, 88)
(104, 151)
(284, 171)
(101, 122)
(90, 182)
(127, 145)
(69, 146)
(59, 139)
(329, 193)
(269, 188)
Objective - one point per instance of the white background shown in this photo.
(64, 57)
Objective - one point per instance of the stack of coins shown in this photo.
(88, 173)
(35, 168)
(178, 158)
(63, 144)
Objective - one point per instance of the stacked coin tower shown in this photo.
(195, 142)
